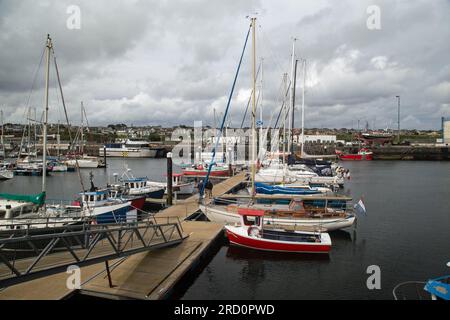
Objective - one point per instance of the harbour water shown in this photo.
(406, 232)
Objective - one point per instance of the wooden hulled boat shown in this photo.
(251, 234)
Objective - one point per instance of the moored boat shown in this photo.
(202, 170)
(363, 154)
(251, 234)
(128, 149)
(179, 186)
(293, 215)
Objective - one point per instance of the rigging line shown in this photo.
(35, 77)
(67, 121)
(249, 99)
(225, 116)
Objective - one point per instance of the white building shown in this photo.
(320, 138)
(445, 130)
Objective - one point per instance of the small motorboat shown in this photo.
(251, 234)
(6, 171)
(363, 154)
(179, 186)
(202, 170)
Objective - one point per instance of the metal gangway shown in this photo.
(43, 248)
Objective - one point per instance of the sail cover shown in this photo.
(38, 199)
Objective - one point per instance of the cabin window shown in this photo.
(251, 220)
(132, 185)
(91, 198)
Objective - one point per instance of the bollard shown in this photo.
(169, 178)
(104, 155)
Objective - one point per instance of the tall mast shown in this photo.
(293, 107)
(82, 131)
(2, 142)
(284, 115)
(291, 114)
(44, 133)
(253, 160)
(303, 104)
(58, 138)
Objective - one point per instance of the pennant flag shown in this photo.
(360, 207)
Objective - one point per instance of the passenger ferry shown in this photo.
(128, 149)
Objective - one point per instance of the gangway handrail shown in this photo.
(81, 245)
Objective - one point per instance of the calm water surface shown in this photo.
(406, 232)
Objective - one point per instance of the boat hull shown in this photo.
(203, 173)
(221, 215)
(356, 157)
(6, 174)
(238, 238)
(128, 153)
(83, 163)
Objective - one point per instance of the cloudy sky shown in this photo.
(173, 62)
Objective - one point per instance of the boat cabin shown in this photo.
(95, 198)
(251, 217)
(135, 183)
(15, 209)
(297, 205)
(177, 178)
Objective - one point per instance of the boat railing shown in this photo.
(87, 243)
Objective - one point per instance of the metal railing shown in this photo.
(37, 250)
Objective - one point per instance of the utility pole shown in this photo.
(398, 120)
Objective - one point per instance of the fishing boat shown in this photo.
(179, 186)
(363, 154)
(99, 205)
(130, 185)
(128, 149)
(251, 233)
(202, 170)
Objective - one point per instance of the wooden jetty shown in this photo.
(145, 275)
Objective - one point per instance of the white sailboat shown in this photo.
(30, 211)
(295, 214)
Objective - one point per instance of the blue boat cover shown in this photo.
(268, 189)
(439, 287)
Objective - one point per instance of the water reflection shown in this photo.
(239, 253)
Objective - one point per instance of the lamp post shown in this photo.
(398, 120)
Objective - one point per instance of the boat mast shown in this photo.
(2, 142)
(284, 116)
(44, 133)
(261, 111)
(303, 105)
(82, 131)
(253, 160)
(291, 114)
